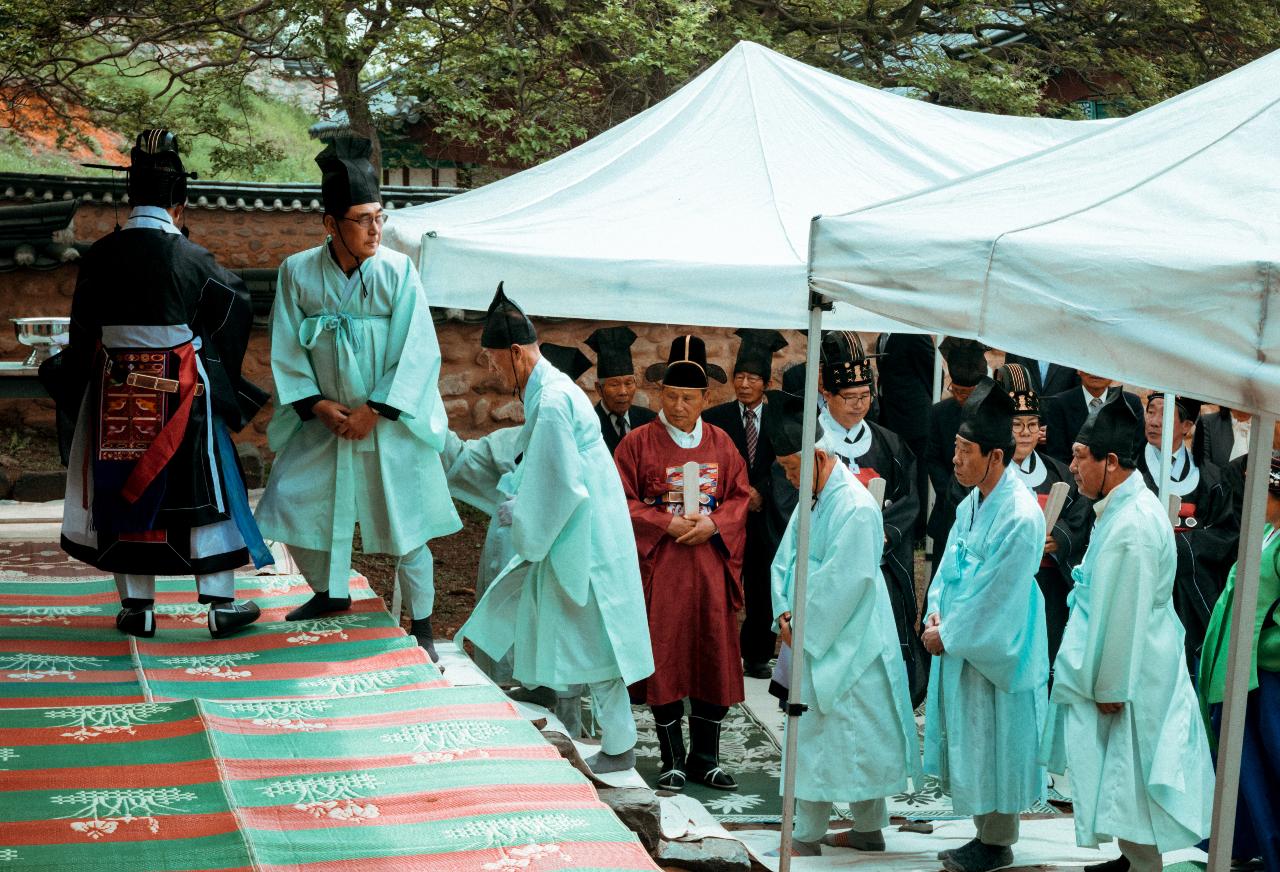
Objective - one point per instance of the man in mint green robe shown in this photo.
(1135, 745)
(857, 741)
(359, 422)
(569, 605)
(985, 625)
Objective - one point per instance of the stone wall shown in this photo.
(473, 397)
(240, 240)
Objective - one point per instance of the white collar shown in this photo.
(849, 444)
(1032, 471)
(151, 218)
(692, 439)
(1183, 473)
(1089, 398)
(758, 408)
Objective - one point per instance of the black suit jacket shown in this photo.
(944, 423)
(906, 386)
(728, 417)
(1061, 378)
(1214, 438)
(1065, 414)
(636, 415)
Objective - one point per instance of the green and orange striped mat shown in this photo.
(59, 646)
(330, 745)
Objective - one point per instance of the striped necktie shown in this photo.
(753, 436)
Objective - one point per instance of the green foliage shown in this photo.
(519, 81)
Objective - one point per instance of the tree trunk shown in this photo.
(356, 104)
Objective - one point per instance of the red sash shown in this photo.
(1043, 499)
(1186, 518)
(166, 442)
(866, 474)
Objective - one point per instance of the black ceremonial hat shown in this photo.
(569, 360)
(346, 175)
(785, 427)
(156, 174)
(686, 365)
(612, 346)
(966, 363)
(1016, 382)
(755, 354)
(845, 363)
(1188, 409)
(1114, 430)
(987, 416)
(505, 324)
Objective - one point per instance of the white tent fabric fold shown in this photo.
(1147, 252)
(698, 209)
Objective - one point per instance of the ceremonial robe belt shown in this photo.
(166, 385)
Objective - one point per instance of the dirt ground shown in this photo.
(457, 560)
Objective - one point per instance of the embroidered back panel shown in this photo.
(130, 417)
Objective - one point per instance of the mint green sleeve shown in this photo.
(295, 379)
(413, 389)
(1123, 595)
(846, 581)
(552, 487)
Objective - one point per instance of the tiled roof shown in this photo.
(37, 236)
(229, 196)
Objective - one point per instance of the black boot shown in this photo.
(420, 629)
(704, 754)
(319, 604)
(671, 747)
(1119, 864)
(229, 617)
(137, 618)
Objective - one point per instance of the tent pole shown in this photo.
(1243, 608)
(937, 395)
(804, 510)
(1166, 450)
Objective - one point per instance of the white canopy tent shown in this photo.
(1147, 252)
(698, 208)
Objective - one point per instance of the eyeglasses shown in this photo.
(854, 399)
(366, 222)
(1026, 426)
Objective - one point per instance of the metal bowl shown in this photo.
(42, 335)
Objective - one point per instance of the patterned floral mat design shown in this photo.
(433, 780)
(327, 746)
(749, 751)
(59, 645)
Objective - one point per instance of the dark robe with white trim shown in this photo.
(147, 493)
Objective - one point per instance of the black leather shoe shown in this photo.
(138, 622)
(757, 670)
(227, 619)
(319, 604)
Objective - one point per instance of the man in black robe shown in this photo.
(905, 375)
(1207, 530)
(743, 418)
(966, 366)
(872, 451)
(616, 384)
(158, 333)
(1066, 542)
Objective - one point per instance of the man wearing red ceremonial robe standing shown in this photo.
(690, 564)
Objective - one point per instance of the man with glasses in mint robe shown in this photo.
(357, 429)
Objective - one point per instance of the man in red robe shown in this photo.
(690, 564)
